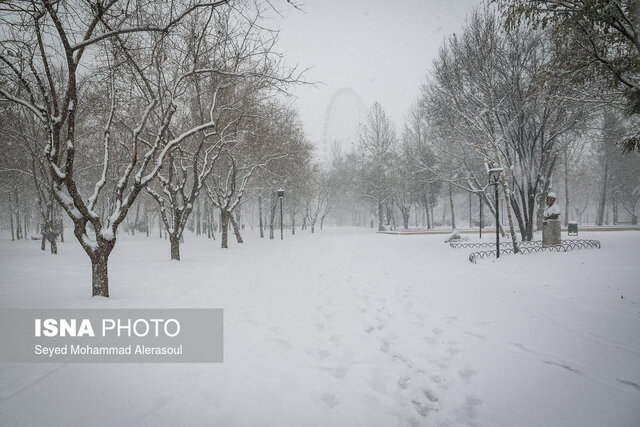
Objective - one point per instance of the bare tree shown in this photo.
(489, 102)
(127, 44)
(375, 153)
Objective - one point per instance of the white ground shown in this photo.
(346, 328)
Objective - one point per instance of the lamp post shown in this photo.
(495, 173)
(281, 197)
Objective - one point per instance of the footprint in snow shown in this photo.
(407, 362)
(471, 406)
(431, 397)
(282, 343)
(319, 353)
(438, 379)
(429, 340)
(452, 350)
(519, 346)
(330, 400)
(403, 382)
(422, 407)
(467, 373)
(340, 372)
(476, 335)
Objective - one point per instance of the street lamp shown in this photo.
(495, 173)
(281, 197)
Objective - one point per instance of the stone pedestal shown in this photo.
(551, 232)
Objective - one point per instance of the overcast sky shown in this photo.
(379, 49)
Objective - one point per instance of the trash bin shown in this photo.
(572, 229)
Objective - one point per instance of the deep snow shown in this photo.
(347, 327)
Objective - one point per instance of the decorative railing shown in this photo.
(506, 248)
(478, 245)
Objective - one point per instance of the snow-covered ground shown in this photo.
(347, 328)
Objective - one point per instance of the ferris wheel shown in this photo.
(341, 121)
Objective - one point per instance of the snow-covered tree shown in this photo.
(376, 146)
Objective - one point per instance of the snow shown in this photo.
(347, 327)
(107, 233)
(87, 241)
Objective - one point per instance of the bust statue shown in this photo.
(552, 211)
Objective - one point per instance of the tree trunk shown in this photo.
(453, 213)
(431, 216)
(261, 224)
(603, 196)
(224, 226)
(405, 220)
(18, 226)
(211, 226)
(236, 229)
(507, 198)
(614, 203)
(207, 219)
(380, 218)
(52, 243)
(272, 219)
(135, 220)
(293, 224)
(175, 247)
(428, 215)
(322, 218)
(99, 275)
(198, 219)
(11, 219)
(566, 187)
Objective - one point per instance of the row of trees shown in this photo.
(109, 107)
(506, 94)
(117, 113)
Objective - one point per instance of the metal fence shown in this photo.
(479, 245)
(524, 247)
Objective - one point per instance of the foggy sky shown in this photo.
(380, 49)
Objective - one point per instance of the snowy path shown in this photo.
(349, 327)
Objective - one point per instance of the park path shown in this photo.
(349, 327)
